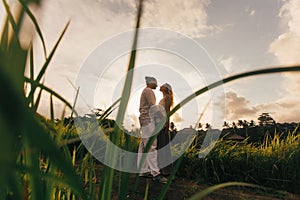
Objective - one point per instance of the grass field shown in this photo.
(36, 161)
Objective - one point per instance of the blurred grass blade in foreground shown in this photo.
(20, 129)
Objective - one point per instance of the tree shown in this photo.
(207, 126)
(265, 120)
(200, 126)
(98, 112)
(240, 123)
(173, 127)
(245, 124)
(225, 125)
(234, 125)
(252, 124)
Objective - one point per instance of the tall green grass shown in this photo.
(274, 163)
(32, 163)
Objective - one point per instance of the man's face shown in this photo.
(152, 85)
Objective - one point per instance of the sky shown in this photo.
(233, 36)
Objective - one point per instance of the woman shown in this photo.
(163, 138)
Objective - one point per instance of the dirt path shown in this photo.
(182, 188)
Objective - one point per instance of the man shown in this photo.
(150, 165)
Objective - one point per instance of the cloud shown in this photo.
(286, 48)
(190, 18)
(238, 107)
(176, 118)
(118, 6)
(93, 22)
(227, 63)
(290, 13)
(282, 110)
(186, 17)
(252, 13)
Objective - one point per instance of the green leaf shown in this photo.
(4, 36)
(37, 27)
(6, 154)
(74, 104)
(37, 101)
(36, 184)
(31, 65)
(14, 60)
(26, 124)
(51, 109)
(10, 16)
(46, 64)
(214, 188)
(47, 89)
(107, 179)
(170, 178)
(109, 110)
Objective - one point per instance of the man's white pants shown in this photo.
(150, 159)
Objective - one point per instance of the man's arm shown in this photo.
(151, 98)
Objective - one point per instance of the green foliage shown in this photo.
(32, 163)
(275, 163)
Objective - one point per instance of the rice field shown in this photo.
(273, 163)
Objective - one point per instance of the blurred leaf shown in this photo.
(214, 188)
(146, 191)
(8, 131)
(50, 91)
(31, 62)
(170, 178)
(37, 27)
(7, 158)
(10, 16)
(107, 179)
(37, 101)
(46, 64)
(51, 109)
(31, 65)
(35, 181)
(34, 1)
(109, 110)
(75, 101)
(4, 36)
(41, 140)
(23, 122)
(64, 112)
(50, 176)
(13, 56)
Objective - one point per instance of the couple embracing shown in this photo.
(150, 116)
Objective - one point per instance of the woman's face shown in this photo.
(161, 88)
